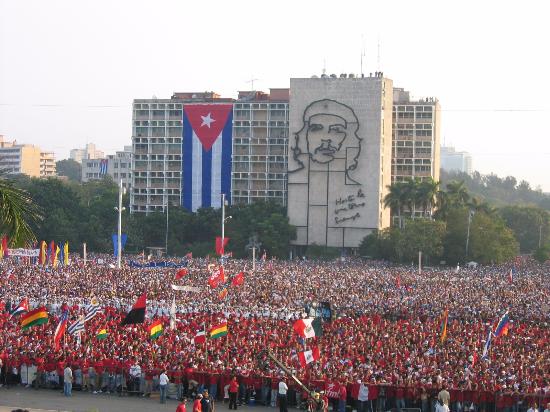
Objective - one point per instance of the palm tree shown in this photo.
(427, 190)
(18, 213)
(396, 199)
(479, 205)
(457, 193)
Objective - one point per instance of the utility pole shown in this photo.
(166, 240)
(253, 244)
(470, 214)
(419, 262)
(119, 209)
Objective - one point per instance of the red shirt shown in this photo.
(342, 393)
(233, 387)
(197, 406)
(181, 408)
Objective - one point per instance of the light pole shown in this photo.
(166, 240)
(119, 209)
(470, 214)
(224, 219)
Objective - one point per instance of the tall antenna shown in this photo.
(251, 81)
(378, 57)
(362, 53)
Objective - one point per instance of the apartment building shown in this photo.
(88, 152)
(26, 159)
(451, 160)
(260, 146)
(415, 137)
(157, 129)
(47, 164)
(118, 166)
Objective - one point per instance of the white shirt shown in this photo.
(163, 379)
(441, 407)
(363, 393)
(135, 371)
(282, 388)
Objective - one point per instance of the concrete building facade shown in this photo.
(157, 129)
(415, 137)
(339, 163)
(118, 166)
(451, 160)
(26, 159)
(260, 146)
(89, 152)
(47, 164)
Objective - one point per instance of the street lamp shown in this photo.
(470, 215)
(119, 209)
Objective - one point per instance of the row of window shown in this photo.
(412, 161)
(412, 108)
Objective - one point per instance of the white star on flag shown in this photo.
(207, 120)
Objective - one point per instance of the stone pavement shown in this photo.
(50, 400)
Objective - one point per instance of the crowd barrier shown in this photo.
(382, 398)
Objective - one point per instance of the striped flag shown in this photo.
(76, 327)
(60, 330)
(487, 345)
(35, 317)
(92, 309)
(21, 308)
(206, 148)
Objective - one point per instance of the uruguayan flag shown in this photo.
(92, 309)
(206, 155)
(76, 327)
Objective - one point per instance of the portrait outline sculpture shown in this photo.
(329, 131)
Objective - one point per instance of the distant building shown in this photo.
(415, 137)
(47, 164)
(451, 160)
(89, 152)
(26, 159)
(118, 166)
(260, 146)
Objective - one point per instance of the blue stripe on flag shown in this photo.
(187, 164)
(227, 145)
(206, 177)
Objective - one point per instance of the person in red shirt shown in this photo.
(342, 397)
(181, 407)
(233, 389)
(197, 406)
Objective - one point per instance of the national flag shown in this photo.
(181, 273)
(308, 327)
(502, 327)
(101, 334)
(52, 251)
(137, 314)
(238, 279)
(61, 254)
(443, 327)
(308, 356)
(21, 308)
(216, 276)
(103, 165)
(155, 330)
(77, 326)
(66, 254)
(220, 246)
(5, 251)
(35, 317)
(223, 294)
(60, 329)
(43, 247)
(56, 256)
(92, 309)
(487, 345)
(218, 331)
(200, 337)
(206, 160)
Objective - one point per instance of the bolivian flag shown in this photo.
(101, 334)
(155, 330)
(218, 331)
(35, 317)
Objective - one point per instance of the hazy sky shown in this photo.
(70, 69)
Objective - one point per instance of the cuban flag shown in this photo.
(206, 148)
(103, 164)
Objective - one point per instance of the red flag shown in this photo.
(223, 294)
(200, 337)
(474, 359)
(5, 246)
(238, 279)
(181, 273)
(219, 247)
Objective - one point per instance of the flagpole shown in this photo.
(166, 240)
(119, 239)
(223, 223)
(206, 342)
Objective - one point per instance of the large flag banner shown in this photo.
(23, 307)
(60, 330)
(443, 327)
(502, 327)
(206, 149)
(35, 317)
(123, 240)
(308, 327)
(137, 314)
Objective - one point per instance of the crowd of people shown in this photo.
(384, 335)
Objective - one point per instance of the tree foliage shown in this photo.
(530, 225)
(69, 168)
